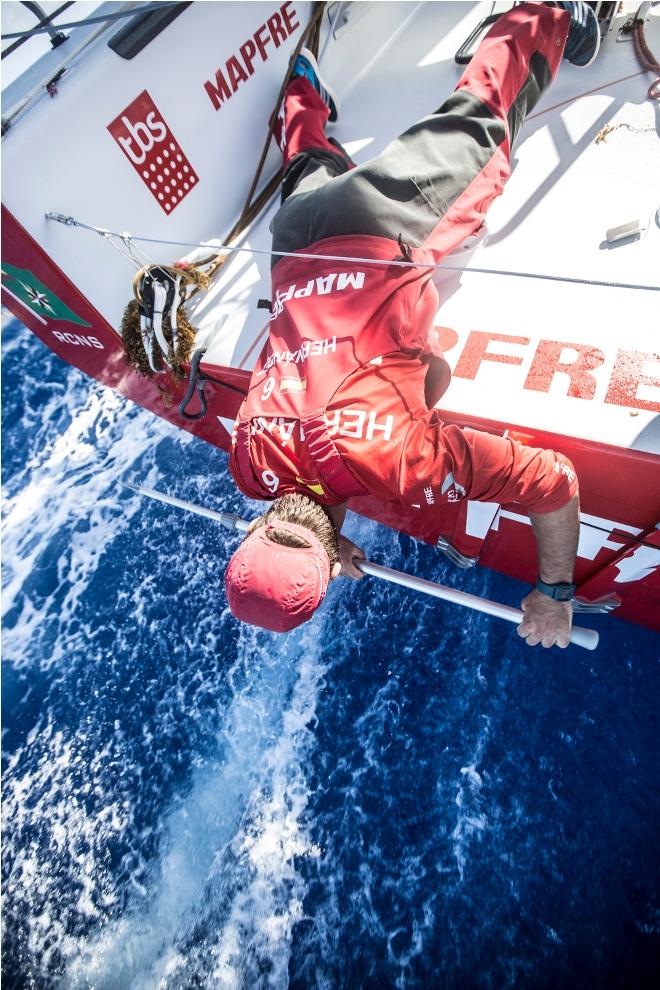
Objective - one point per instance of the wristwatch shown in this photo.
(562, 591)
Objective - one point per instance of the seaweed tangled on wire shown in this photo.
(155, 328)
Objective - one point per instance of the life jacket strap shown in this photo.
(332, 470)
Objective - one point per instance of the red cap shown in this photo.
(274, 586)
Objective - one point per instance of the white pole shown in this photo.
(587, 638)
(227, 519)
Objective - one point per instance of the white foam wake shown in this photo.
(69, 485)
(227, 866)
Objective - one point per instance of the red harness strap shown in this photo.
(334, 474)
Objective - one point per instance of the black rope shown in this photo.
(197, 381)
(92, 20)
(219, 381)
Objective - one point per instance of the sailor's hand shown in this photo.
(348, 552)
(545, 621)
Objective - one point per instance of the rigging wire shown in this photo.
(139, 256)
(98, 19)
(122, 251)
(44, 22)
(229, 249)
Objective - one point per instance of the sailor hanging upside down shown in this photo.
(341, 400)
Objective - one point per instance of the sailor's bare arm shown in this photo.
(547, 621)
(348, 551)
(487, 468)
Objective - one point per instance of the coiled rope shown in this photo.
(645, 56)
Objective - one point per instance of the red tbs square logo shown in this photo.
(154, 152)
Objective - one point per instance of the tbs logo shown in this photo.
(153, 151)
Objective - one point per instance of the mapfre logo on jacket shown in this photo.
(153, 151)
(319, 286)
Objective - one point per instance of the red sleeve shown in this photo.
(441, 464)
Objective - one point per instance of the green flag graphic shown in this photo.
(36, 296)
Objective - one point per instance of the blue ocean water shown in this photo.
(399, 795)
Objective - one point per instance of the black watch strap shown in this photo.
(562, 591)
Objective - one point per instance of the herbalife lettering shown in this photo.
(335, 282)
(357, 424)
(153, 151)
(313, 348)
